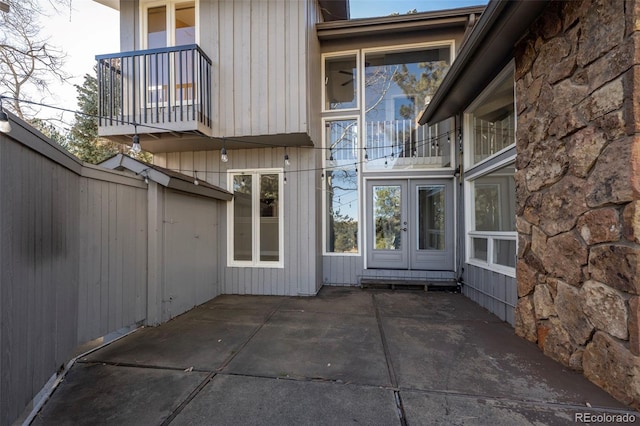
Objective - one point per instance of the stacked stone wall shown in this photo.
(578, 190)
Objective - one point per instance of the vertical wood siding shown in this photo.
(493, 291)
(190, 253)
(113, 257)
(38, 273)
(261, 75)
(300, 275)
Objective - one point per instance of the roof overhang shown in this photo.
(488, 48)
(165, 177)
(113, 4)
(4, 7)
(334, 10)
(394, 24)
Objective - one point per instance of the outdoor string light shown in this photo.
(135, 146)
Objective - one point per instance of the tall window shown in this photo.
(397, 86)
(341, 186)
(256, 221)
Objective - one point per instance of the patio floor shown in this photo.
(345, 356)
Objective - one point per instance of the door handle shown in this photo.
(404, 229)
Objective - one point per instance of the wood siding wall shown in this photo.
(300, 275)
(113, 256)
(493, 291)
(74, 253)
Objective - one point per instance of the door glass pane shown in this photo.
(431, 214)
(185, 33)
(269, 218)
(157, 27)
(242, 225)
(185, 24)
(387, 217)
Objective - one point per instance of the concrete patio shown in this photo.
(345, 356)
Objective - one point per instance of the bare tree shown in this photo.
(28, 62)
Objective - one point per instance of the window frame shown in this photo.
(323, 89)
(399, 48)
(325, 206)
(490, 236)
(145, 5)
(255, 219)
(468, 124)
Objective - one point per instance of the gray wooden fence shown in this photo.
(73, 261)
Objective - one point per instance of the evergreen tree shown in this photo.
(84, 140)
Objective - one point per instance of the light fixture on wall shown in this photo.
(5, 126)
(223, 152)
(135, 146)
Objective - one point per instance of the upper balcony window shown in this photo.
(491, 119)
(169, 24)
(397, 85)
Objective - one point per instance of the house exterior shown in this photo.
(494, 148)
(338, 98)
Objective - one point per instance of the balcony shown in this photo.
(162, 94)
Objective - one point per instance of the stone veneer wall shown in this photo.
(578, 190)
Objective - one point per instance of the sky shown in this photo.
(90, 29)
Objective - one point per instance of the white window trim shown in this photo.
(171, 12)
(324, 187)
(255, 201)
(468, 117)
(323, 89)
(491, 236)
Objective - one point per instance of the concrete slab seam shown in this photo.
(230, 358)
(188, 399)
(387, 356)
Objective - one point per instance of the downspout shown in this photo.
(459, 176)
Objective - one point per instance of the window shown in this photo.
(491, 119)
(341, 186)
(397, 86)
(256, 220)
(341, 82)
(492, 232)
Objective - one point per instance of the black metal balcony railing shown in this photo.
(155, 87)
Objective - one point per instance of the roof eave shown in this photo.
(166, 178)
(395, 23)
(487, 49)
(113, 4)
